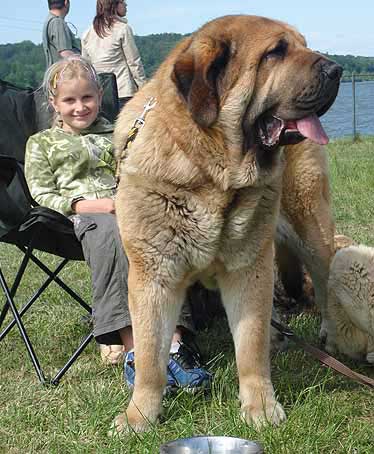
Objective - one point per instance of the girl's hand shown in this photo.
(105, 205)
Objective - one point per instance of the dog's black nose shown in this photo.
(332, 69)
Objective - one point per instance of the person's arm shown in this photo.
(40, 178)
(133, 57)
(84, 47)
(67, 53)
(62, 38)
(85, 53)
(105, 205)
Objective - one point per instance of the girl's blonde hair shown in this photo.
(68, 69)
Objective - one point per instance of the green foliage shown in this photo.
(154, 48)
(24, 64)
(354, 64)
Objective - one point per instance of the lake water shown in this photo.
(338, 121)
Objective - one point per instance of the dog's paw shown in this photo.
(270, 413)
(330, 346)
(121, 425)
(278, 341)
(323, 334)
(370, 357)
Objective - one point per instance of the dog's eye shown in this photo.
(279, 51)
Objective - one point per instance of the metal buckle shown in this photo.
(149, 105)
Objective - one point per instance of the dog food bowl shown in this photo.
(211, 445)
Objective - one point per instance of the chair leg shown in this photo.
(17, 315)
(3, 313)
(59, 281)
(31, 301)
(56, 379)
(22, 330)
(15, 285)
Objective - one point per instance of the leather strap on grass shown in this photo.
(323, 357)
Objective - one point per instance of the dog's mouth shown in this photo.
(272, 131)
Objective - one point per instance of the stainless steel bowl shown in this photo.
(211, 445)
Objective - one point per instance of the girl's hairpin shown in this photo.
(54, 81)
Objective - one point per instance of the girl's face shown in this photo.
(77, 103)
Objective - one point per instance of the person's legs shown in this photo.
(102, 248)
(104, 254)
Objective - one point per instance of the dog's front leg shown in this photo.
(154, 311)
(247, 297)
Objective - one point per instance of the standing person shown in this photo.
(58, 40)
(70, 168)
(110, 46)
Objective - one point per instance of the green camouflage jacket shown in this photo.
(61, 167)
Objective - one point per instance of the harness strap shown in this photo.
(131, 136)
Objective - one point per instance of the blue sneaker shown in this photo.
(129, 373)
(129, 369)
(184, 371)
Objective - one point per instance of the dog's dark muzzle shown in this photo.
(330, 73)
(332, 70)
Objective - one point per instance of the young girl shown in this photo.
(70, 168)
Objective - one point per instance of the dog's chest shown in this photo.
(232, 233)
(249, 221)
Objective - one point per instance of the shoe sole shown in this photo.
(169, 390)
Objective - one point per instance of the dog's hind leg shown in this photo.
(290, 271)
(247, 297)
(154, 311)
(306, 223)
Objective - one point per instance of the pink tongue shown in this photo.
(311, 128)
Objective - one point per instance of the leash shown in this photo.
(131, 136)
(323, 357)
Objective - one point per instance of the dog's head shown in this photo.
(259, 74)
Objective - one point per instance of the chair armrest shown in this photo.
(9, 168)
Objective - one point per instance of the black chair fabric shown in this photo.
(17, 119)
(109, 105)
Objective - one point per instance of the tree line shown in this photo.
(23, 63)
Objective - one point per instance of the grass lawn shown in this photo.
(326, 412)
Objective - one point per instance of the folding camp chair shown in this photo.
(25, 224)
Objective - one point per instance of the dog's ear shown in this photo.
(196, 73)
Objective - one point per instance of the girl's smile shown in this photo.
(77, 103)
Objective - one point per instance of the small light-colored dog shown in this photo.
(351, 303)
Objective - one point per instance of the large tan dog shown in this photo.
(200, 191)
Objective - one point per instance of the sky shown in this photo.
(337, 27)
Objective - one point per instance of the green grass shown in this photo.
(352, 178)
(326, 412)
